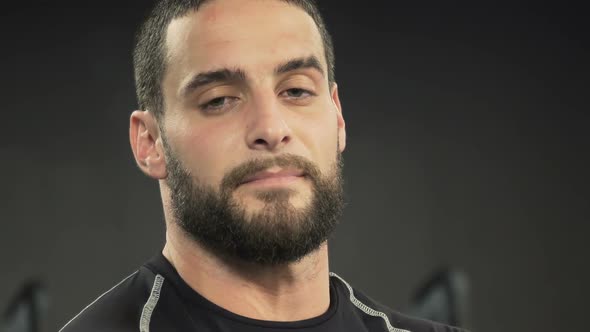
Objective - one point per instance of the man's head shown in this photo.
(242, 123)
(150, 53)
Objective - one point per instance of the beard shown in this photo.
(276, 234)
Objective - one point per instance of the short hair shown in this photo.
(149, 54)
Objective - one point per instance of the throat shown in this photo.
(285, 293)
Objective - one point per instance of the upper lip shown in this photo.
(266, 174)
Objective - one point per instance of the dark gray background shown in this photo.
(467, 146)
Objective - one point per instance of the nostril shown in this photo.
(260, 141)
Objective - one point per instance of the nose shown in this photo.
(267, 128)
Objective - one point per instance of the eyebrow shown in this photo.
(221, 75)
(238, 75)
(300, 63)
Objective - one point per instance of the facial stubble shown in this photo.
(278, 233)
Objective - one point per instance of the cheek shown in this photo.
(319, 133)
(204, 150)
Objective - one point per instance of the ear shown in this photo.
(144, 135)
(340, 118)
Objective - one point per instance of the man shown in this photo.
(241, 124)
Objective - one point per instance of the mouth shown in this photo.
(274, 176)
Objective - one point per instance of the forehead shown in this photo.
(249, 34)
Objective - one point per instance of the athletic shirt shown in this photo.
(155, 298)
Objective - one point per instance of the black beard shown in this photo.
(278, 234)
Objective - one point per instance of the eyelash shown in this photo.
(208, 106)
(310, 93)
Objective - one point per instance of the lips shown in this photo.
(268, 174)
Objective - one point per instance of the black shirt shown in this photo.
(155, 298)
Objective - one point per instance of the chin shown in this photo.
(256, 202)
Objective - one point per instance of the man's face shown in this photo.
(251, 124)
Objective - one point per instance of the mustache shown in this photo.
(238, 174)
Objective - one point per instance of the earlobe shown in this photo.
(145, 139)
(340, 118)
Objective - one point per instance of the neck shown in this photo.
(274, 293)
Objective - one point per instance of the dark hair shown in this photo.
(149, 54)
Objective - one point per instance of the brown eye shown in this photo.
(218, 104)
(297, 93)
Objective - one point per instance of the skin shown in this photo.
(261, 117)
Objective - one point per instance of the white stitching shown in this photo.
(366, 309)
(150, 305)
(98, 298)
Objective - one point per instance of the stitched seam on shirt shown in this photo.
(150, 305)
(366, 309)
(98, 298)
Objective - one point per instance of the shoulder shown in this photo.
(118, 309)
(415, 324)
(394, 320)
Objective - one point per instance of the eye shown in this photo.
(297, 93)
(218, 104)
